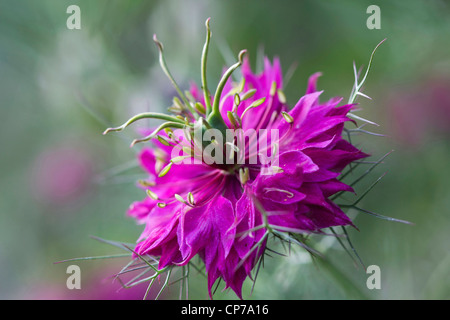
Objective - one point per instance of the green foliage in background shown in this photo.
(62, 88)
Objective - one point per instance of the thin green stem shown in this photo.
(161, 127)
(203, 69)
(94, 258)
(215, 118)
(165, 284)
(148, 289)
(368, 189)
(346, 284)
(224, 80)
(163, 64)
(357, 86)
(255, 246)
(352, 247)
(145, 115)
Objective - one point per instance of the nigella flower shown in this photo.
(220, 199)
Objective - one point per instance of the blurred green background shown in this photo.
(62, 181)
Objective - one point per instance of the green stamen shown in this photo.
(243, 175)
(250, 93)
(145, 183)
(152, 195)
(287, 117)
(163, 141)
(237, 100)
(281, 96)
(254, 104)
(273, 89)
(200, 108)
(180, 198)
(165, 170)
(190, 198)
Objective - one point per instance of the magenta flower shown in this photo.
(225, 211)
